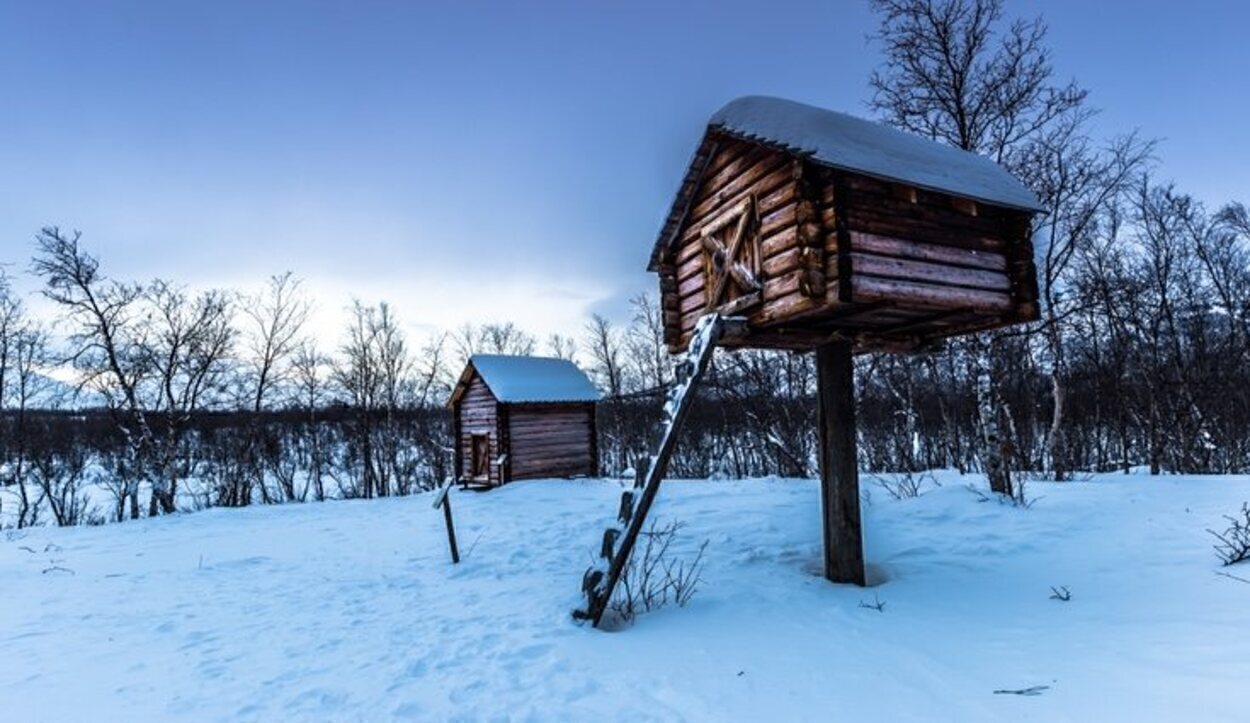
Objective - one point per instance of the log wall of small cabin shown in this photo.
(736, 171)
(925, 250)
(477, 412)
(551, 440)
(920, 250)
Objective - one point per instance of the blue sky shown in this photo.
(482, 161)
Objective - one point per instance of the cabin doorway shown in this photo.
(479, 457)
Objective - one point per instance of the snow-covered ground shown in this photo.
(351, 611)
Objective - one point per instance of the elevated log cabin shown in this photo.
(817, 226)
(518, 417)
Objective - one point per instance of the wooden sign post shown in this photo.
(443, 499)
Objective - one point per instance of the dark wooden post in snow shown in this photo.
(839, 469)
(442, 498)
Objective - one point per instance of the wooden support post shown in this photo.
(442, 498)
(839, 469)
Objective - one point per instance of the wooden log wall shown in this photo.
(477, 413)
(738, 171)
(926, 250)
(551, 440)
(830, 241)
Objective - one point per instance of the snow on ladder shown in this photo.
(597, 583)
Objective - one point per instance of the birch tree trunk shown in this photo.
(989, 411)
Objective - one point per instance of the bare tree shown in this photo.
(497, 338)
(1225, 255)
(1078, 185)
(275, 320)
(375, 372)
(955, 72)
(108, 346)
(56, 459)
(431, 386)
(648, 354)
(11, 318)
(310, 369)
(10, 321)
(28, 356)
(561, 347)
(190, 341)
(606, 350)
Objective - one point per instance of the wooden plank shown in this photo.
(922, 322)
(903, 192)
(743, 219)
(529, 458)
(538, 463)
(573, 470)
(772, 192)
(873, 288)
(773, 222)
(842, 230)
(779, 241)
(551, 448)
(923, 271)
(696, 283)
(778, 264)
(811, 233)
(786, 307)
(889, 246)
(943, 207)
(523, 449)
(726, 217)
(923, 231)
(728, 150)
(767, 173)
(839, 469)
(693, 305)
(877, 210)
(555, 421)
(717, 177)
(965, 206)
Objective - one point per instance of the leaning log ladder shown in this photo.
(596, 583)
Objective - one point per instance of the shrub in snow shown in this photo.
(905, 485)
(653, 578)
(1017, 498)
(877, 604)
(1234, 542)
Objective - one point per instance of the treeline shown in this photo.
(184, 400)
(217, 399)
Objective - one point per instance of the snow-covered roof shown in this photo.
(844, 141)
(852, 144)
(531, 379)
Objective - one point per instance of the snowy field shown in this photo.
(351, 611)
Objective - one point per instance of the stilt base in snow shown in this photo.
(839, 469)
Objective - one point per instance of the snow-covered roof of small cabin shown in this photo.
(853, 144)
(515, 379)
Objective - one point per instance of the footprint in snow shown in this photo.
(531, 652)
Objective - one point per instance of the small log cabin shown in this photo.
(520, 417)
(815, 226)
